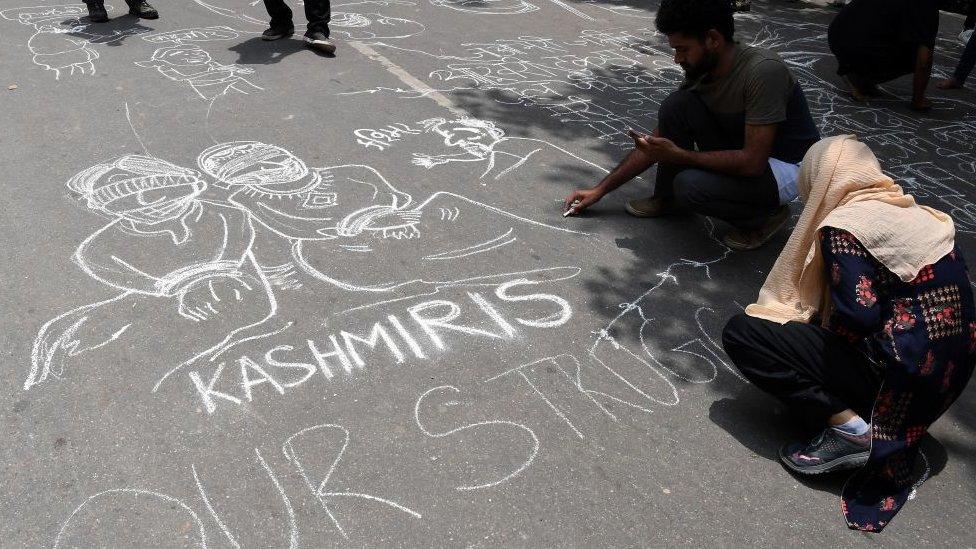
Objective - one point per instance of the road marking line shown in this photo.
(571, 9)
(410, 80)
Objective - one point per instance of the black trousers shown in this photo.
(812, 370)
(744, 202)
(317, 12)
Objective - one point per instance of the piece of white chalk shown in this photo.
(572, 208)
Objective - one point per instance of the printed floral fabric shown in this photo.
(923, 333)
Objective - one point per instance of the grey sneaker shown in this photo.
(651, 206)
(318, 41)
(831, 450)
(742, 241)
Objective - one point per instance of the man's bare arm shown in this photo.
(635, 163)
(750, 161)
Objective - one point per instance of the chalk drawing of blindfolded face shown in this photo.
(476, 137)
(488, 7)
(258, 166)
(140, 189)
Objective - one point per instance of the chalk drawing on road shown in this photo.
(373, 26)
(320, 484)
(621, 9)
(89, 517)
(610, 80)
(228, 12)
(479, 142)
(181, 59)
(487, 7)
(61, 42)
(444, 391)
(213, 512)
(220, 245)
(164, 243)
(599, 81)
(615, 373)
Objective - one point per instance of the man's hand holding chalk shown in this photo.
(572, 208)
(579, 200)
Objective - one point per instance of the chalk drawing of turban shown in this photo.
(103, 184)
(259, 166)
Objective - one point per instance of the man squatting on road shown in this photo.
(729, 141)
(867, 313)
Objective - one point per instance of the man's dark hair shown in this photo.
(695, 17)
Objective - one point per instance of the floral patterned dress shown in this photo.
(923, 333)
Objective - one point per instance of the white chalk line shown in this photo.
(525, 464)
(293, 536)
(410, 80)
(213, 512)
(138, 492)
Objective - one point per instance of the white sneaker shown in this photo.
(965, 35)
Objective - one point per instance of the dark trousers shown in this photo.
(744, 202)
(812, 370)
(967, 61)
(317, 12)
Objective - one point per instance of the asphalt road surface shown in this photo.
(258, 297)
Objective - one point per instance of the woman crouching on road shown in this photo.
(867, 315)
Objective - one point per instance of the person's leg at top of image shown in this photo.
(317, 37)
(963, 67)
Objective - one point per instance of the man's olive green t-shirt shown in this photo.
(759, 89)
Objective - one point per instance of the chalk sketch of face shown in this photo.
(189, 55)
(140, 189)
(40, 14)
(476, 137)
(487, 7)
(370, 26)
(259, 166)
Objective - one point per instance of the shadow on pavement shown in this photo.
(255, 51)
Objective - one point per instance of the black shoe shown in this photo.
(97, 13)
(143, 10)
(277, 33)
(318, 41)
(832, 450)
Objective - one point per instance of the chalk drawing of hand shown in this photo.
(205, 298)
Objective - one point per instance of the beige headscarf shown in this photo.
(842, 186)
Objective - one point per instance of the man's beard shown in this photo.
(708, 62)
